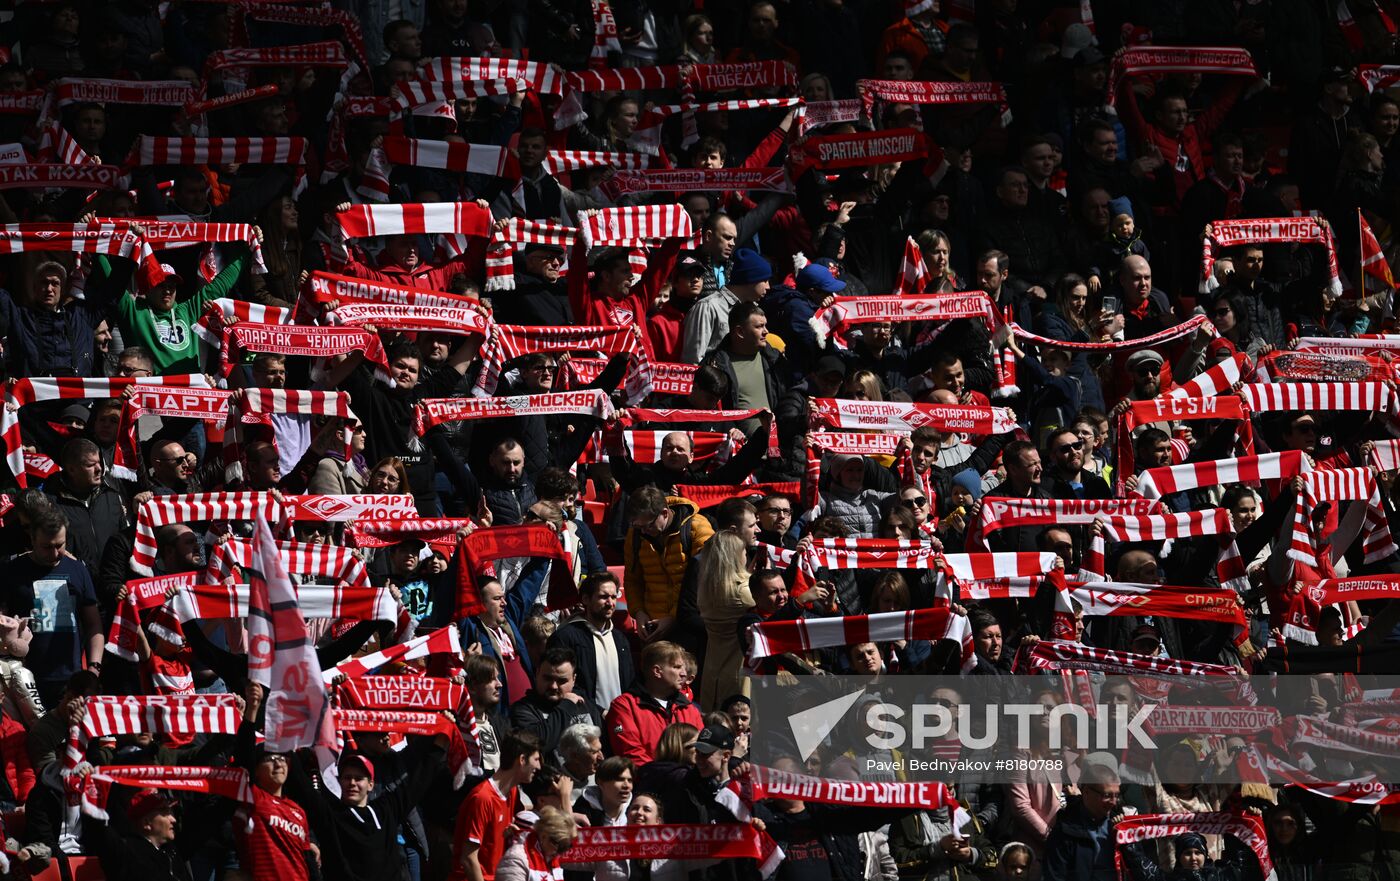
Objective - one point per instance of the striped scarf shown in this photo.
(256, 405)
(1229, 569)
(1223, 234)
(205, 602)
(635, 225)
(543, 79)
(311, 342)
(1341, 484)
(508, 342)
(1217, 379)
(452, 156)
(151, 150)
(560, 161)
(223, 312)
(300, 558)
(208, 405)
(1273, 397)
(192, 508)
(442, 641)
(112, 716)
(430, 218)
(802, 635)
(19, 392)
(846, 312)
(431, 412)
(500, 256)
(17, 238)
(1157, 482)
(1009, 513)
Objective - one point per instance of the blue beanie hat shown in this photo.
(969, 480)
(749, 268)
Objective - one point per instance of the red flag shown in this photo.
(1373, 261)
(913, 273)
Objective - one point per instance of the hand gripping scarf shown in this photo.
(152, 150)
(477, 551)
(1157, 482)
(1229, 233)
(844, 313)
(282, 655)
(1146, 827)
(938, 93)
(778, 637)
(638, 415)
(20, 392)
(431, 412)
(230, 783)
(17, 238)
(896, 416)
(255, 406)
(1341, 484)
(500, 256)
(508, 342)
(1274, 397)
(300, 558)
(1229, 569)
(224, 312)
(314, 342)
(913, 271)
(465, 158)
(208, 405)
(1140, 60)
(192, 508)
(859, 149)
(143, 594)
(430, 218)
(444, 641)
(634, 225)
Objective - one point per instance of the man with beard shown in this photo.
(387, 413)
(1066, 477)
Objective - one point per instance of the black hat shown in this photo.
(714, 739)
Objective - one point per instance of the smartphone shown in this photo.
(1110, 305)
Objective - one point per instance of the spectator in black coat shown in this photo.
(605, 668)
(553, 706)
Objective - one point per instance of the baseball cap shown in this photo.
(147, 802)
(814, 277)
(170, 273)
(1142, 357)
(1076, 37)
(829, 364)
(1088, 57)
(79, 412)
(714, 738)
(690, 266)
(360, 760)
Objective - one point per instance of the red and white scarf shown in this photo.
(508, 342)
(459, 320)
(177, 402)
(896, 416)
(1055, 655)
(230, 783)
(346, 508)
(21, 103)
(1177, 408)
(711, 841)
(336, 602)
(644, 447)
(702, 77)
(479, 551)
(422, 694)
(112, 716)
(633, 225)
(17, 238)
(1217, 379)
(1175, 332)
(930, 92)
(967, 568)
(224, 311)
(93, 90)
(777, 637)
(716, 494)
(421, 218)
(152, 150)
(648, 134)
(452, 156)
(282, 654)
(56, 144)
(432, 412)
(1229, 570)
(437, 531)
(1113, 598)
(1305, 230)
(667, 378)
(312, 342)
(637, 415)
(1318, 367)
(68, 175)
(543, 79)
(560, 161)
(500, 256)
(689, 180)
(1377, 76)
(1139, 60)
(143, 594)
(325, 287)
(304, 16)
(846, 312)
(1274, 397)
(162, 234)
(192, 508)
(1247, 828)
(1157, 482)
(256, 406)
(913, 271)
(300, 558)
(854, 443)
(1373, 342)
(815, 114)
(859, 149)
(1006, 513)
(604, 35)
(1341, 484)
(247, 96)
(19, 392)
(1385, 455)
(445, 640)
(327, 53)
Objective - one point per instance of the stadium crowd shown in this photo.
(422, 416)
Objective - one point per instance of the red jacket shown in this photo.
(15, 756)
(425, 275)
(636, 719)
(1189, 143)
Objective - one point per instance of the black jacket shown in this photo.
(548, 721)
(1032, 243)
(837, 826)
(534, 300)
(92, 521)
(577, 636)
(130, 858)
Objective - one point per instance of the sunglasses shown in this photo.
(1145, 370)
(1075, 447)
(915, 502)
(1222, 312)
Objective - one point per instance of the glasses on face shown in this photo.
(133, 371)
(914, 502)
(545, 368)
(1072, 447)
(1222, 312)
(1145, 370)
(777, 512)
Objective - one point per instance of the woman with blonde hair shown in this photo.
(536, 854)
(935, 245)
(724, 598)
